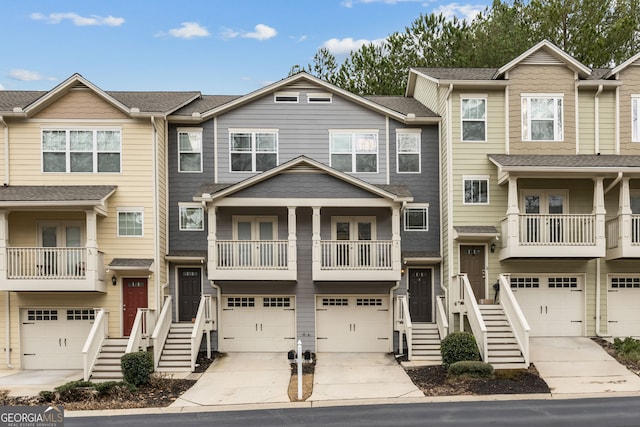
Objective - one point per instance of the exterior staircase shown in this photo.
(425, 343)
(176, 354)
(503, 349)
(107, 366)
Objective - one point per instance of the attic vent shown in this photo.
(541, 58)
(319, 98)
(303, 169)
(79, 86)
(286, 97)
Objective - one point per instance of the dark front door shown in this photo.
(472, 263)
(189, 291)
(420, 295)
(134, 296)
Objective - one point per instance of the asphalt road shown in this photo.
(609, 412)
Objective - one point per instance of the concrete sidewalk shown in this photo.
(577, 366)
(32, 382)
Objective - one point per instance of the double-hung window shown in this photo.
(81, 150)
(189, 150)
(408, 141)
(191, 218)
(416, 217)
(130, 222)
(635, 118)
(474, 119)
(253, 150)
(354, 151)
(542, 118)
(476, 190)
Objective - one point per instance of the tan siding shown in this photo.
(426, 92)
(608, 122)
(81, 104)
(537, 79)
(631, 86)
(587, 118)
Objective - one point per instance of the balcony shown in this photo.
(52, 269)
(553, 236)
(253, 260)
(623, 237)
(356, 260)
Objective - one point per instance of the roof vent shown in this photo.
(134, 110)
(195, 114)
(17, 110)
(411, 116)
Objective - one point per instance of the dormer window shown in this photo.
(286, 97)
(319, 98)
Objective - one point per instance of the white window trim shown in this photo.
(544, 198)
(254, 220)
(295, 95)
(419, 152)
(182, 206)
(558, 131)
(95, 150)
(424, 206)
(60, 229)
(319, 98)
(466, 178)
(635, 121)
(190, 130)
(354, 220)
(484, 98)
(353, 132)
(130, 210)
(253, 132)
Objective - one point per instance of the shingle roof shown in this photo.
(398, 190)
(475, 229)
(205, 103)
(188, 254)
(403, 105)
(566, 161)
(9, 99)
(211, 188)
(421, 254)
(54, 193)
(131, 262)
(459, 73)
(153, 101)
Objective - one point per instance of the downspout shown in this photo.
(400, 344)
(156, 249)
(8, 330)
(449, 180)
(598, 333)
(617, 120)
(6, 150)
(218, 309)
(614, 183)
(597, 119)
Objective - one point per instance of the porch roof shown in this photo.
(475, 232)
(129, 264)
(22, 196)
(421, 257)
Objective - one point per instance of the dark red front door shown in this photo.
(134, 296)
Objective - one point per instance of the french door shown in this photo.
(358, 232)
(255, 236)
(544, 225)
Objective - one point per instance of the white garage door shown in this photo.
(553, 305)
(258, 323)
(623, 308)
(52, 338)
(353, 323)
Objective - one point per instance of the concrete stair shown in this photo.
(426, 343)
(176, 354)
(107, 367)
(504, 352)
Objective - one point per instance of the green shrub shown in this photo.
(115, 388)
(46, 395)
(74, 390)
(627, 346)
(471, 368)
(457, 347)
(137, 367)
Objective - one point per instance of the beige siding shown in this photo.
(426, 92)
(531, 79)
(81, 104)
(586, 129)
(608, 122)
(630, 77)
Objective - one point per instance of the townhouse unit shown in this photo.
(540, 194)
(82, 213)
(306, 213)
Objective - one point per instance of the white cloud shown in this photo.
(262, 32)
(462, 11)
(28, 76)
(1, 87)
(78, 20)
(189, 30)
(344, 46)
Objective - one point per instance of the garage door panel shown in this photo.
(352, 324)
(623, 306)
(258, 323)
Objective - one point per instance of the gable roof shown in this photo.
(405, 117)
(211, 192)
(60, 196)
(624, 65)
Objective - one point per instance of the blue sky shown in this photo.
(222, 47)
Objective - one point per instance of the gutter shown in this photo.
(614, 183)
(156, 249)
(6, 150)
(598, 333)
(597, 119)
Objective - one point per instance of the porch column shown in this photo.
(624, 216)
(599, 211)
(4, 233)
(512, 231)
(396, 256)
(315, 240)
(212, 245)
(91, 267)
(292, 238)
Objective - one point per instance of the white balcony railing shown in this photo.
(252, 254)
(356, 255)
(613, 232)
(143, 325)
(403, 324)
(46, 263)
(557, 229)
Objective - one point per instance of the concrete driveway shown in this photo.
(577, 365)
(241, 378)
(32, 382)
(345, 376)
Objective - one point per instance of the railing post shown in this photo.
(292, 259)
(315, 238)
